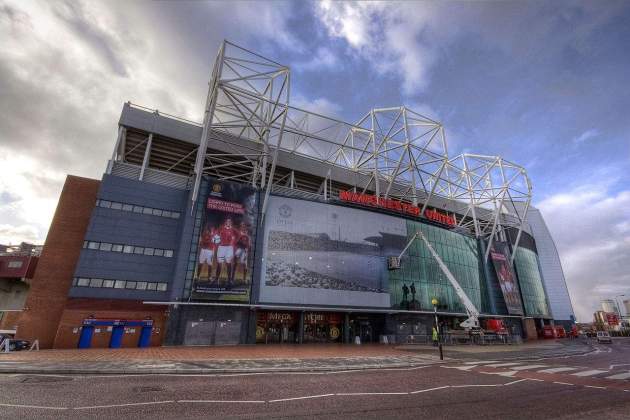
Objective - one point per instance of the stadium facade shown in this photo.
(268, 223)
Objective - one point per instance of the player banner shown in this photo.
(507, 280)
(226, 243)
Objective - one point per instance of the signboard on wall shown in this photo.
(612, 318)
(224, 260)
(317, 253)
(499, 254)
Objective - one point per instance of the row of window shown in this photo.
(128, 249)
(14, 264)
(137, 209)
(119, 284)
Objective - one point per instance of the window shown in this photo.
(147, 210)
(148, 251)
(151, 286)
(105, 246)
(138, 250)
(108, 283)
(83, 282)
(74, 281)
(96, 282)
(106, 204)
(175, 215)
(141, 285)
(128, 249)
(127, 207)
(161, 287)
(130, 285)
(85, 244)
(158, 252)
(166, 213)
(117, 248)
(116, 206)
(157, 212)
(168, 253)
(137, 209)
(15, 264)
(120, 284)
(93, 245)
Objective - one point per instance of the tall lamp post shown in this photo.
(435, 302)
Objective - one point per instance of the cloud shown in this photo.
(590, 226)
(588, 134)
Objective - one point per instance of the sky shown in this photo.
(543, 84)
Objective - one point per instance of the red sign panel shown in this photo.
(612, 318)
(395, 205)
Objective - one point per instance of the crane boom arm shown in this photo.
(473, 313)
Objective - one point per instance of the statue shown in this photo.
(405, 291)
(413, 292)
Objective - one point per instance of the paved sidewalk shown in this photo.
(256, 358)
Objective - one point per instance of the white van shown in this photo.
(603, 337)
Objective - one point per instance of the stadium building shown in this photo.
(267, 223)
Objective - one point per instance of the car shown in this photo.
(14, 345)
(603, 337)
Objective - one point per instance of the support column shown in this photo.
(147, 156)
(301, 328)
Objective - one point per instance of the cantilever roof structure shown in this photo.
(390, 152)
(251, 134)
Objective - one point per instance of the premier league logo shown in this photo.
(284, 211)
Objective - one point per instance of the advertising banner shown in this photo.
(612, 318)
(324, 254)
(226, 242)
(499, 253)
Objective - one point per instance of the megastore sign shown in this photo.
(395, 205)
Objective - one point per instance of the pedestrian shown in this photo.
(435, 336)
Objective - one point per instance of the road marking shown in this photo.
(33, 406)
(504, 364)
(466, 368)
(515, 382)
(592, 386)
(475, 385)
(302, 398)
(562, 383)
(222, 401)
(526, 367)
(430, 389)
(590, 372)
(614, 366)
(619, 376)
(371, 393)
(557, 370)
(481, 363)
(507, 374)
(122, 405)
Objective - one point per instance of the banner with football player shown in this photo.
(226, 242)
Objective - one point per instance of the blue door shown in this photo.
(85, 340)
(145, 336)
(117, 334)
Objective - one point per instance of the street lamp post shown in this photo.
(434, 301)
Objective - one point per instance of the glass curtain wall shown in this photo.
(420, 269)
(532, 290)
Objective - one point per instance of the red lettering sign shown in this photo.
(396, 205)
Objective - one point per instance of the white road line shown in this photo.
(302, 398)
(515, 382)
(562, 383)
(505, 364)
(122, 405)
(466, 368)
(592, 386)
(222, 401)
(481, 363)
(475, 385)
(557, 370)
(589, 372)
(344, 394)
(507, 374)
(33, 406)
(620, 376)
(614, 366)
(429, 389)
(526, 367)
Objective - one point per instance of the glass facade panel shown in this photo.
(530, 281)
(420, 269)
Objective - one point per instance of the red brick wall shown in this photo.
(79, 309)
(53, 277)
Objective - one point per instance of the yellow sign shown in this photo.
(334, 333)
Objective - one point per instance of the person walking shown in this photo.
(435, 336)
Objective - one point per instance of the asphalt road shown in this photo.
(589, 386)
